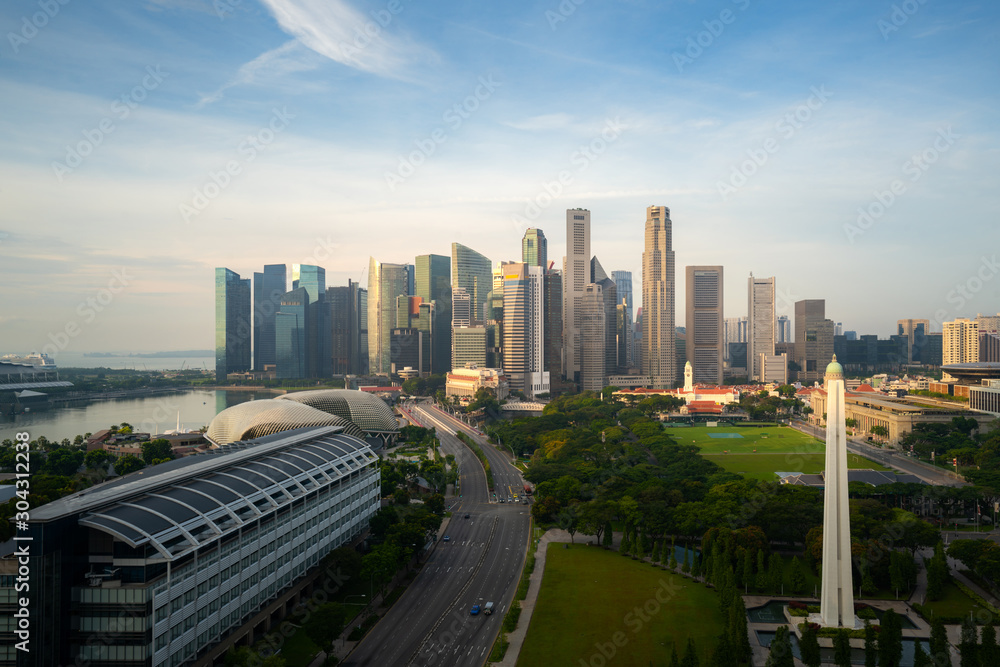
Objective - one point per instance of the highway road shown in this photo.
(431, 623)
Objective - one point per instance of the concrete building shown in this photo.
(988, 323)
(623, 286)
(659, 347)
(465, 382)
(553, 313)
(734, 330)
(524, 328)
(576, 276)
(960, 342)
(760, 323)
(774, 368)
(704, 321)
(813, 339)
(985, 397)
(782, 330)
(593, 336)
(469, 345)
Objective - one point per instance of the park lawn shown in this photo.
(298, 650)
(763, 466)
(773, 438)
(955, 604)
(587, 600)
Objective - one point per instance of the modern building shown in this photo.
(268, 286)
(576, 276)
(704, 322)
(989, 347)
(461, 308)
(774, 368)
(593, 336)
(734, 331)
(465, 382)
(345, 327)
(469, 345)
(623, 285)
(178, 563)
(256, 419)
(553, 312)
(782, 329)
(311, 278)
(472, 272)
(409, 346)
(524, 329)
(813, 339)
(868, 354)
(433, 285)
(986, 397)
(385, 283)
(368, 412)
(233, 324)
(960, 341)
(291, 335)
(609, 291)
(914, 330)
(534, 248)
(659, 351)
(363, 366)
(988, 323)
(760, 323)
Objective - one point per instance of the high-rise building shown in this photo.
(838, 329)
(760, 324)
(637, 339)
(704, 344)
(960, 344)
(914, 330)
(535, 249)
(472, 272)
(345, 325)
(734, 330)
(461, 308)
(291, 334)
(813, 339)
(267, 290)
(433, 284)
(311, 278)
(988, 324)
(524, 328)
(233, 324)
(553, 313)
(385, 283)
(783, 329)
(659, 348)
(319, 338)
(623, 285)
(469, 347)
(407, 350)
(363, 367)
(576, 274)
(593, 336)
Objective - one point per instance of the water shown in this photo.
(67, 359)
(857, 654)
(774, 612)
(152, 414)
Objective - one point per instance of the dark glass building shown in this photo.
(233, 325)
(291, 326)
(433, 284)
(267, 290)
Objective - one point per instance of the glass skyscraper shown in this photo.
(433, 284)
(385, 283)
(291, 324)
(472, 272)
(535, 249)
(233, 324)
(267, 290)
(311, 278)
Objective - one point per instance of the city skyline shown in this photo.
(132, 170)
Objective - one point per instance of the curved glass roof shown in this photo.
(256, 419)
(369, 412)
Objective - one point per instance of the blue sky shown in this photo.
(161, 138)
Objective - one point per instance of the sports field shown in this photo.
(599, 607)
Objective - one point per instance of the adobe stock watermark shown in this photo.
(786, 127)
(898, 17)
(581, 159)
(453, 117)
(121, 109)
(704, 39)
(914, 168)
(88, 310)
(30, 26)
(563, 11)
(248, 149)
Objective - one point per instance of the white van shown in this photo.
(488, 609)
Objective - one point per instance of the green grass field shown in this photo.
(955, 603)
(763, 466)
(590, 598)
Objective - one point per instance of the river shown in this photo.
(153, 414)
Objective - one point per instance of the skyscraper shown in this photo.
(233, 324)
(553, 313)
(472, 272)
(433, 284)
(461, 308)
(524, 328)
(534, 248)
(363, 368)
(813, 339)
(760, 324)
(345, 329)
(704, 344)
(623, 285)
(291, 334)
(576, 276)
(385, 283)
(593, 336)
(267, 290)
(960, 344)
(734, 331)
(659, 351)
(311, 278)
(915, 331)
(783, 329)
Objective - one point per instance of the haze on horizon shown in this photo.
(144, 144)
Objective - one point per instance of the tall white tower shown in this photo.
(837, 594)
(659, 337)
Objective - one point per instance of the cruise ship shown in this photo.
(39, 361)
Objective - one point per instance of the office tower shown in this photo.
(433, 284)
(493, 318)
(407, 311)
(345, 329)
(734, 330)
(914, 330)
(989, 337)
(469, 347)
(319, 338)
(524, 328)
(597, 272)
(553, 313)
(576, 272)
(535, 249)
(659, 352)
(311, 278)
(783, 329)
(851, 335)
(426, 323)
(760, 323)
(637, 340)
(609, 290)
(680, 358)
(407, 349)
(960, 344)
(813, 339)
(385, 283)
(232, 323)
(989, 324)
(704, 344)
(838, 329)
(472, 272)
(291, 337)
(363, 368)
(461, 308)
(593, 335)
(267, 290)
(623, 285)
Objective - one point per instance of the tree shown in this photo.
(967, 647)
(435, 503)
(871, 646)
(797, 577)
(325, 624)
(890, 640)
(675, 661)
(738, 629)
(939, 644)
(989, 654)
(401, 497)
(156, 449)
(780, 653)
(809, 646)
(62, 462)
(95, 458)
(937, 573)
(920, 659)
(842, 649)
(775, 569)
(128, 463)
(609, 535)
(690, 658)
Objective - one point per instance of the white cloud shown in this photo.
(269, 65)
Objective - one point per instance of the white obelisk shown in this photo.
(837, 595)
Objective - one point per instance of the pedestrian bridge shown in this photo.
(522, 406)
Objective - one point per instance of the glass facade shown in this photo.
(472, 272)
(233, 325)
(535, 249)
(267, 290)
(433, 284)
(385, 283)
(290, 334)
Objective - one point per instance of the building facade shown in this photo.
(576, 276)
(760, 323)
(433, 285)
(593, 336)
(704, 321)
(385, 283)
(469, 345)
(291, 338)
(472, 272)
(535, 249)
(268, 286)
(813, 339)
(233, 324)
(960, 341)
(524, 328)
(623, 285)
(659, 349)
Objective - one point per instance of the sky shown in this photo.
(849, 149)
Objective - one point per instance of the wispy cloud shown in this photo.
(550, 121)
(268, 65)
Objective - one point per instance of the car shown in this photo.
(446, 538)
(501, 500)
(488, 609)
(475, 610)
(466, 516)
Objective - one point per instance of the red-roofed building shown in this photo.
(701, 408)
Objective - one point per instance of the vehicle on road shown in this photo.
(475, 609)
(466, 516)
(446, 538)
(501, 500)
(527, 490)
(488, 609)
